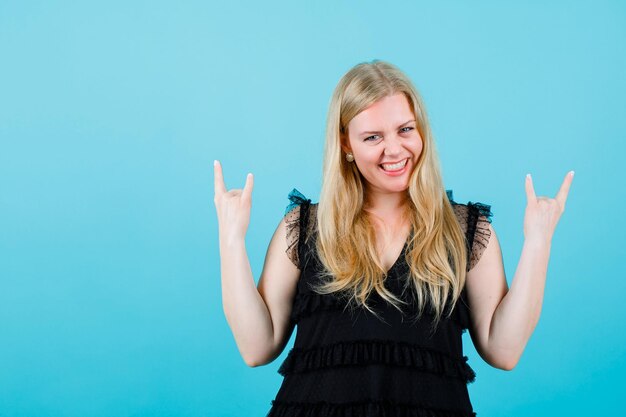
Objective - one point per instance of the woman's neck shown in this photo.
(390, 209)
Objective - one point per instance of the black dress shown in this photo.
(349, 363)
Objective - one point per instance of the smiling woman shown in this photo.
(389, 151)
(385, 242)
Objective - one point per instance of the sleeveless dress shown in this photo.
(348, 362)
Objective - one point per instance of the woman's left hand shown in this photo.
(543, 213)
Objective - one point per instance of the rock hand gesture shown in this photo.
(256, 316)
(233, 207)
(504, 319)
(543, 213)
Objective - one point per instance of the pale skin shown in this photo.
(502, 319)
(258, 315)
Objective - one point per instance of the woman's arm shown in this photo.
(503, 320)
(259, 319)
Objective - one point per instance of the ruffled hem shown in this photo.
(361, 409)
(367, 352)
(307, 303)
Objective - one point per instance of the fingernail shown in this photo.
(214, 162)
(572, 173)
(527, 175)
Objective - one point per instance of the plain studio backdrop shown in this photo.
(111, 114)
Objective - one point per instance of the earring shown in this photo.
(349, 157)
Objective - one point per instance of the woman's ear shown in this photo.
(345, 143)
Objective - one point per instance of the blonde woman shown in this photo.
(385, 273)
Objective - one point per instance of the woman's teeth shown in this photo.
(394, 167)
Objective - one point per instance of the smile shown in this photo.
(394, 167)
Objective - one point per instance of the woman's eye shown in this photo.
(408, 127)
(370, 137)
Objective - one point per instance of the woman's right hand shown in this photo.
(233, 207)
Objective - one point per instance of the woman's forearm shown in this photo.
(244, 308)
(518, 313)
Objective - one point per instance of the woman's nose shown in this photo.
(393, 146)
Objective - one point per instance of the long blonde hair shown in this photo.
(346, 242)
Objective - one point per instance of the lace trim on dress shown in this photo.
(474, 219)
(362, 409)
(296, 221)
(365, 352)
(300, 219)
(479, 237)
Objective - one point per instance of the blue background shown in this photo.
(111, 114)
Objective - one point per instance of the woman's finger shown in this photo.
(220, 187)
(561, 196)
(530, 190)
(247, 189)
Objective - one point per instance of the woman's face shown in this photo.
(385, 143)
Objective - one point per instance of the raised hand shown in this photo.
(233, 207)
(543, 213)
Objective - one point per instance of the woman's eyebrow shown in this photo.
(372, 131)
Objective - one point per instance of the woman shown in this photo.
(385, 243)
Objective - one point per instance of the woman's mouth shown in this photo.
(394, 168)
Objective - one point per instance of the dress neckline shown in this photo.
(400, 257)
